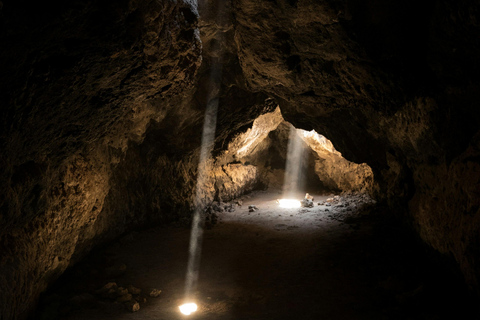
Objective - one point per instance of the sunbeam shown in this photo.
(293, 167)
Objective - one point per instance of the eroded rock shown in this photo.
(132, 306)
(155, 293)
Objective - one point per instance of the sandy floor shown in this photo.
(304, 263)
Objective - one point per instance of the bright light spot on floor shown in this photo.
(188, 308)
(289, 203)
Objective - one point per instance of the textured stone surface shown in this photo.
(79, 80)
(334, 171)
(391, 85)
(103, 103)
(265, 145)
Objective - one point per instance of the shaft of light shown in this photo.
(204, 169)
(204, 166)
(294, 164)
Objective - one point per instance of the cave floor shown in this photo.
(351, 262)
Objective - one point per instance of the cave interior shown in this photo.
(122, 122)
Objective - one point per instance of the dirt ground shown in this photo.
(350, 262)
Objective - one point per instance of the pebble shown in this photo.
(229, 207)
(307, 203)
(155, 293)
(106, 288)
(122, 291)
(217, 207)
(132, 306)
(111, 294)
(134, 290)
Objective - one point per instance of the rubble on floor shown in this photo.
(307, 203)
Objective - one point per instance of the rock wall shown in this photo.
(79, 81)
(323, 169)
(334, 171)
(103, 105)
(392, 85)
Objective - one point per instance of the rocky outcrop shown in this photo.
(334, 171)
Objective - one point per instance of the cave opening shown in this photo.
(274, 155)
(102, 105)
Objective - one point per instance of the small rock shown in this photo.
(134, 290)
(155, 293)
(106, 288)
(252, 207)
(208, 210)
(122, 291)
(217, 207)
(239, 202)
(328, 204)
(110, 294)
(307, 203)
(125, 298)
(326, 210)
(132, 306)
(251, 210)
(229, 207)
